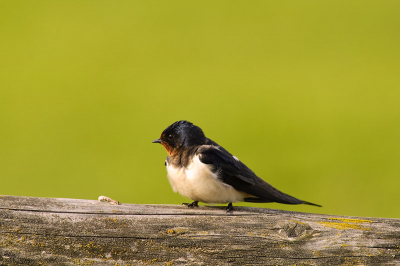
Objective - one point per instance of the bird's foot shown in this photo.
(229, 208)
(192, 205)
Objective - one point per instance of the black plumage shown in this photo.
(236, 174)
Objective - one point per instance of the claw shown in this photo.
(192, 205)
(229, 208)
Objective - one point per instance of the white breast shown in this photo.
(199, 183)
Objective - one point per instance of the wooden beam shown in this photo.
(53, 231)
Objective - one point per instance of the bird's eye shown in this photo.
(170, 137)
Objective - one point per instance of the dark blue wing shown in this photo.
(236, 174)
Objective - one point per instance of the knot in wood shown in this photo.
(295, 229)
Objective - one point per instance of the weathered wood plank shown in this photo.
(48, 231)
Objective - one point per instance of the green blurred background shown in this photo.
(306, 93)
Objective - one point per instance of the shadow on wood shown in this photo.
(51, 231)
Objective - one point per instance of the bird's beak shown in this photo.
(156, 141)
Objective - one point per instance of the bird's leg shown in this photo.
(192, 205)
(229, 208)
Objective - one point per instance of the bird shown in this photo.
(203, 171)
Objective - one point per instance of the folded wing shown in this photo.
(236, 174)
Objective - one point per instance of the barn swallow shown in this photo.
(203, 171)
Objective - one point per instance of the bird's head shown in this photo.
(181, 135)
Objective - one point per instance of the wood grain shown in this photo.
(53, 231)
